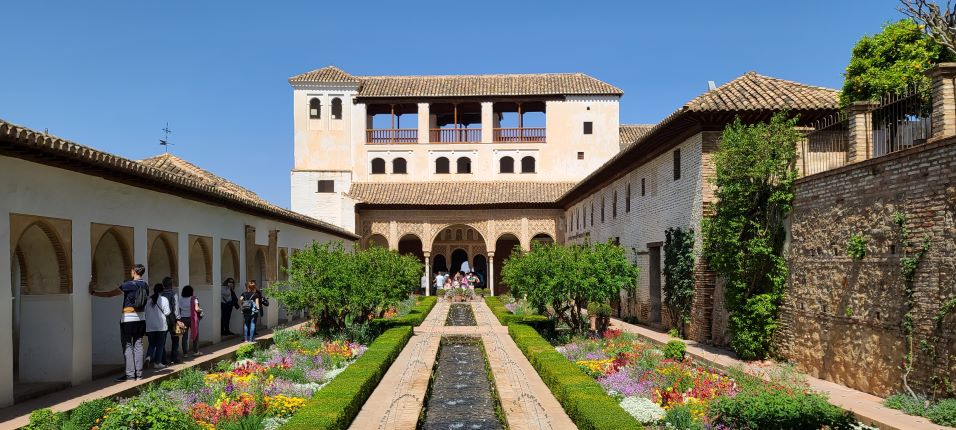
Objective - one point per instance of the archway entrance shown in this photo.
(376, 240)
(200, 278)
(459, 261)
(503, 248)
(112, 262)
(229, 268)
(439, 264)
(161, 261)
(455, 247)
(542, 238)
(481, 268)
(42, 312)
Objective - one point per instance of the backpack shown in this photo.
(142, 294)
(247, 305)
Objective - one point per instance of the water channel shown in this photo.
(462, 395)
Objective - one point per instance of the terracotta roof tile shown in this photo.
(754, 91)
(171, 175)
(629, 133)
(457, 193)
(465, 85)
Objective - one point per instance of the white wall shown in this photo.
(34, 189)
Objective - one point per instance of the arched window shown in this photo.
(527, 165)
(442, 165)
(506, 165)
(336, 108)
(399, 165)
(464, 165)
(315, 108)
(378, 166)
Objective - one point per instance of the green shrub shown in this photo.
(415, 317)
(586, 403)
(249, 422)
(85, 415)
(286, 338)
(149, 410)
(906, 403)
(189, 379)
(45, 419)
(540, 323)
(337, 404)
(770, 408)
(856, 247)
(680, 417)
(599, 309)
(674, 350)
(480, 292)
(943, 412)
(245, 351)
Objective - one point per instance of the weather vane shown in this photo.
(165, 140)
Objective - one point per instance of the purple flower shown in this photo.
(598, 355)
(626, 383)
(315, 375)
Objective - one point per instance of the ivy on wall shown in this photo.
(679, 276)
(755, 169)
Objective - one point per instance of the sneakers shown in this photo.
(159, 366)
(123, 379)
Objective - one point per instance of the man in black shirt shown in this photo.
(132, 322)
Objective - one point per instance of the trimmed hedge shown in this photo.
(588, 405)
(339, 402)
(414, 318)
(540, 323)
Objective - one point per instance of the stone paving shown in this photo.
(868, 408)
(397, 401)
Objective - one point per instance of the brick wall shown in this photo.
(841, 318)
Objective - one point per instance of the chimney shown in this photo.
(711, 86)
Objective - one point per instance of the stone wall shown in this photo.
(841, 318)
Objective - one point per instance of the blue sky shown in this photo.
(110, 75)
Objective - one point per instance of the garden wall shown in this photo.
(841, 319)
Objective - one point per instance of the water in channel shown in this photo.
(462, 395)
(460, 314)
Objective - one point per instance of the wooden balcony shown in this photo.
(521, 134)
(391, 135)
(455, 135)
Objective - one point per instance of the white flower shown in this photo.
(643, 410)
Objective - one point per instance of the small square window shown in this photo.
(580, 155)
(326, 186)
(588, 127)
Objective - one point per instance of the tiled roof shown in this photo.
(171, 177)
(458, 193)
(175, 165)
(754, 91)
(631, 132)
(465, 85)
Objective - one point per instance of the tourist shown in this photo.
(156, 327)
(440, 279)
(133, 321)
(171, 293)
(448, 284)
(229, 301)
(190, 314)
(250, 305)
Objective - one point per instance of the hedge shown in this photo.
(540, 323)
(338, 403)
(414, 318)
(586, 403)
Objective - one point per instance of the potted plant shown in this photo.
(600, 316)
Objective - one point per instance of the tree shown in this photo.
(679, 275)
(340, 288)
(567, 278)
(755, 168)
(940, 25)
(891, 61)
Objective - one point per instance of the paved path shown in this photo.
(868, 408)
(397, 401)
(18, 415)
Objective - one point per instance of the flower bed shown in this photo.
(262, 389)
(506, 317)
(659, 388)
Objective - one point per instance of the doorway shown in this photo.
(458, 258)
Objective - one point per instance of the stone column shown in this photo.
(428, 273)
(487, 122)
(944, 99)
(424, 113)
(860, 125)
(491, 273)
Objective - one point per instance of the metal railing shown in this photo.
(389, 135)
(901, 121)
(826, 146)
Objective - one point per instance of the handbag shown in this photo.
(180, 328)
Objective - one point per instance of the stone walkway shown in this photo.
(397, 401)
(868, 408)
(18, 415)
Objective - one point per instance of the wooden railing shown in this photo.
(390, 135)
(524, 134)
(455, 135)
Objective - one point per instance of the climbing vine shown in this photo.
(679, 276)
(912, 256)
(755, 169)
